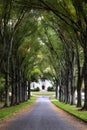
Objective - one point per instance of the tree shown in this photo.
(63, 31)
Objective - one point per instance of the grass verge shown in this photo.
(5, 112)
(43, 93)
(71, 109)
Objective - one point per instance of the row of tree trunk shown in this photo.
(17, 88)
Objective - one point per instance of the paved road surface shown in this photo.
(42, 117)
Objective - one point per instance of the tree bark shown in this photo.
(6, 90)
(29, 90)
(85, 78)
(56, 95)
(20, 86)
(79, 80)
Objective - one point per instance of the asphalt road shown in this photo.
(42, 117)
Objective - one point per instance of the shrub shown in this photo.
(50, 89)
(36, 89)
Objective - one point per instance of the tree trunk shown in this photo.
(67, 87)
(6, 90)
(13, 83)
(56, 95)
(13, 92)
(23, 89)
(26, 90)
(79, 92)
(60, 93)
(85, 78)
(29, 90)
(60, 87)
(20, 86)
(17, 90)
(72, 88)
(78, 80)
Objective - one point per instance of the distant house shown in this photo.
(43, 85)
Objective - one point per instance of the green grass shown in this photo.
(71, 109)
(5, 112)
(43, 93)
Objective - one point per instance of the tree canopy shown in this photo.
(43, 39)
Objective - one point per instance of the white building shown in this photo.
(43, 85)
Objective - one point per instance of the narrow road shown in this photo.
(42, 117)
